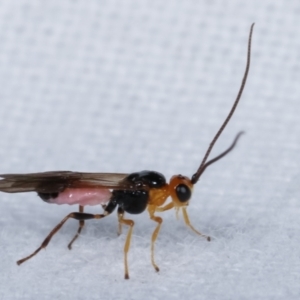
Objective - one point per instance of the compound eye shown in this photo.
(183, 192)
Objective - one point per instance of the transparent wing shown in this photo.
(57, 181)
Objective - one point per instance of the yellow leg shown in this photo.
(164, 208)
(152, 209)
(120, 225)
(130, 223)
(188, 223)
(153, 239)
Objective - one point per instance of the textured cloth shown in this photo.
(124, 86)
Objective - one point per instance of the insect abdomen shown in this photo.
(47, 196)
(82, 196)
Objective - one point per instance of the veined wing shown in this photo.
(57, 181)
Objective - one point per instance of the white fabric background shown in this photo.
(123, 86)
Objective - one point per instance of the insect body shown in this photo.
(128, 193)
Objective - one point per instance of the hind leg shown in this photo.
(81, 225)
(81, 216)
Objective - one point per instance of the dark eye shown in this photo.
(183, 192)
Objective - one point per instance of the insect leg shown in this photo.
(164, 208)
(130, 223)
(75, 215)
(159, 220)
(120, 226)
(188, 223)
(81, 224)
(152, 209)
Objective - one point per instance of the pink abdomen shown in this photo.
(82, 196)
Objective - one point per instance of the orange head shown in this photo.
(181, 189)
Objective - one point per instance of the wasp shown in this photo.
(128, 193)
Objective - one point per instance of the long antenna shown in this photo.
(196, 176)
